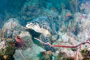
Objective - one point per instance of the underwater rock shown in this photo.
(67, 37)
(63, 53)
(47, 55)
(24, 34)
(12, 28)
(27, 39)
(85, 7)
(11, 23)
(29, 53)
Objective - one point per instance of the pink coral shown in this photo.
(19, 41)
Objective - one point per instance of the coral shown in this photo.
(85, 7)
(19, 41)
(86, 53)
(11, 33)
(12, 27)
(74, 5)
(7, 53)
(7, 46)
(77, 52)
(2, 44)
(56, 30)
(46, 55)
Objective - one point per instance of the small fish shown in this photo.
(68, 14)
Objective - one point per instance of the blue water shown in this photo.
(13, 8)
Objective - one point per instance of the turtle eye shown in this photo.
(31, 25)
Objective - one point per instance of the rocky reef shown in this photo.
(46, 30)
(39, 41)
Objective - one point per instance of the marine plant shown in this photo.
(77, 54)
(8, 46)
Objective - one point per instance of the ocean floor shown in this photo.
(45, 30)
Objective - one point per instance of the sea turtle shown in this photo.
(42, 28)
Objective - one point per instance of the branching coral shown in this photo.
(77, 52)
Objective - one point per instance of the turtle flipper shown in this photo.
(46, 46)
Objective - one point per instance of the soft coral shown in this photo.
(77, 52)
(19, 41)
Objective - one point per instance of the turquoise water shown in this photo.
(11, 9)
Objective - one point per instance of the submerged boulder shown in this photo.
(12, 27)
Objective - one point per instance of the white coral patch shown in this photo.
(2, 45)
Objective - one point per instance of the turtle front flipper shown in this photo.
(46, 46)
